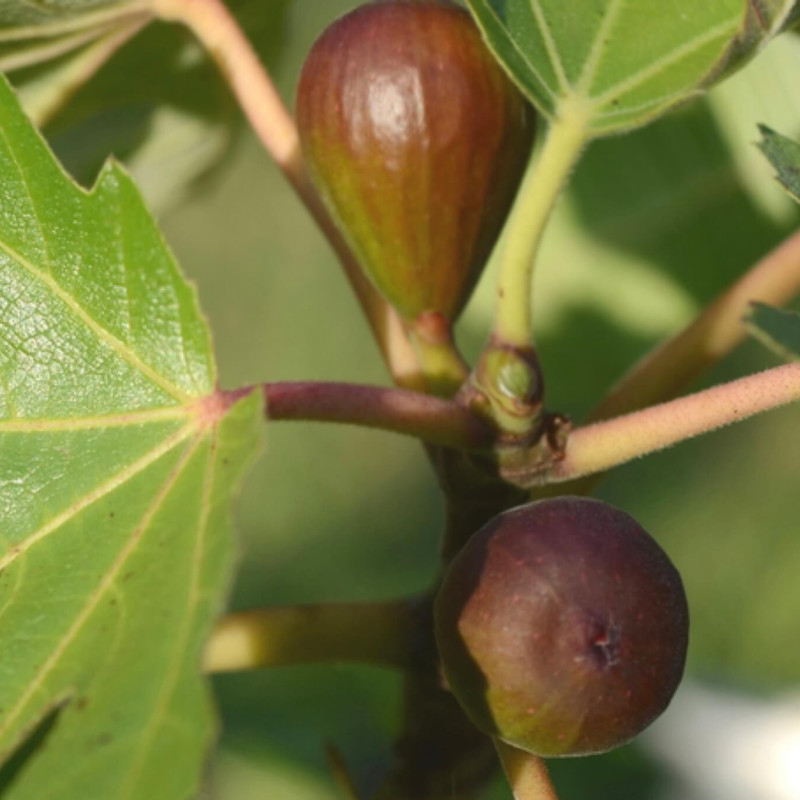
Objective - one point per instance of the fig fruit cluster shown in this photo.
(562, 627)
(416, 141)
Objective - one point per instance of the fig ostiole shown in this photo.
(562, 627)
(416, 140)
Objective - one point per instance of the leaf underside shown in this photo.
(624, 61)
(116, 471)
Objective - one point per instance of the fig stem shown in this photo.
(373, 633)
(527, 774)
(219, 33)
(431, 419)
(607, 444)
(444, 369)
(546, 176)
(675, 363)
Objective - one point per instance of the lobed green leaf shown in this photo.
(118, 458)
(623, 62)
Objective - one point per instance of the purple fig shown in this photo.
(416, 140)
(562, 627)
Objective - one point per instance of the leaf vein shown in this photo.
(551, 47)
(115, 344)
(597, 51)
(122, 477)
(160, 711)
(107, 582)
(69, 424)
(663, 63)
(522, 54)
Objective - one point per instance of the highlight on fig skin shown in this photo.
(562, 627)
(416, 140)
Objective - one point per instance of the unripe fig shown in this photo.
(416, 141)
(562, 627)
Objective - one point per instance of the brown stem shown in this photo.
(527, 774)
(664, 372)
(607, 444)
(215, 27)
(431, 419)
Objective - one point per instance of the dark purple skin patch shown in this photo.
(563, 627)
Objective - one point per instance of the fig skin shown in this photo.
(416, 140)
(562, 627)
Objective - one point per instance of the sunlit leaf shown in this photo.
(118, 457)
(625, 62)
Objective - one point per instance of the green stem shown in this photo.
(596, 448)
(372, 633)
(544, 180)
(444, 369)
(527, 774)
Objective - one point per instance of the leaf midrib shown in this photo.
(99, 422)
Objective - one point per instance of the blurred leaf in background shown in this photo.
(159, 104)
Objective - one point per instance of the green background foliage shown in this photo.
(654, 225)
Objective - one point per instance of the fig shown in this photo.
(416, 141)
(562, 627)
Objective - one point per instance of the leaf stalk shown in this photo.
(546, 176)
(374, 633)
(431, 419)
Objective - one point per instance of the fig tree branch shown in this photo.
(373, 633)
(607, 444)
(527, 774)
(519, 243)
(665, 371)
(219, 33)
(430, 419)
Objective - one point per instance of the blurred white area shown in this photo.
(721, 745)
